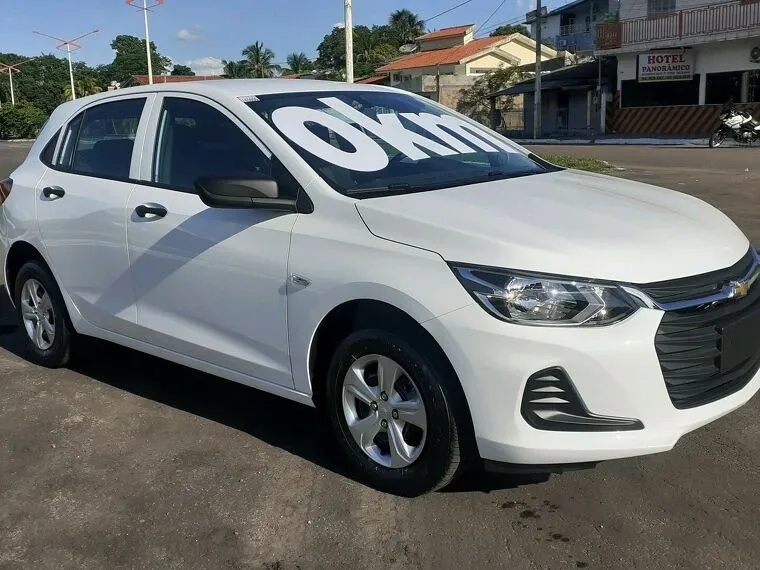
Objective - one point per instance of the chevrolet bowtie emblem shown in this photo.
(738, 289)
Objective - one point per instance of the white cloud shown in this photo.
(340, 25)
(189, 34)
(206, 65)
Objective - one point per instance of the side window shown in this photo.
(46, 156)
(195, 140)
(100, 141)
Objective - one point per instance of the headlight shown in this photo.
(543, 300)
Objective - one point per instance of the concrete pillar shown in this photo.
(702, 88)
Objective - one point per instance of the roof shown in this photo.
(583, 74)
(446, 56)
(373, 79)
(143, 79)
(446, 33)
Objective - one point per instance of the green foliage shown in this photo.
(236, 69)
(22, 121)
(298, 63)
(87, 85)
(373, 48)
(511, 29)
(182, 70)
(130, 59)
(475, 101)
(579, 162)
(405, 26)
(260, 60)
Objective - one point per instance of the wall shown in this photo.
(443, 43)
(630, 9)
(524, 53)
(549, 28)
(486, 62)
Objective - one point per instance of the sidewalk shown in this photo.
(699, 142)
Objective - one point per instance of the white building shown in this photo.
(678, 53)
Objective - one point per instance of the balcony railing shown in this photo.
(721, 18)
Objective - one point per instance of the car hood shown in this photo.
(566, 223)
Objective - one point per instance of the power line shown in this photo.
(426, 20)
(492, 27)
(492, 14)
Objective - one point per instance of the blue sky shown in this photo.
(200, 33)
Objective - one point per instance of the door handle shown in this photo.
(145, 210)
(51, 191)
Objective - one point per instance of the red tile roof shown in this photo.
(373, 79)
(446, 56)
(446, 33)
(143, 79)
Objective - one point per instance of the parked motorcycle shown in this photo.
(741, 126)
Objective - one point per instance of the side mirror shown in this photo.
(256, 191)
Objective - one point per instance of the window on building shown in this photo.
(659, 7)
(753, 86)
(660, 93)
(723, 86)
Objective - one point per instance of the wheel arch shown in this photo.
(18, 254)
(356, 314)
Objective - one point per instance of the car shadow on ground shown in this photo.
(237, 406)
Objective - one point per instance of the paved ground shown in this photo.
(130, 461)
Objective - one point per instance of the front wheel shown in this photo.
(392, 409)
(717, 138)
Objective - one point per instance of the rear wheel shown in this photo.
(392, 408)
(717, 138)
(45, 328)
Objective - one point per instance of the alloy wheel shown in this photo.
(384, 411)
(38, 314)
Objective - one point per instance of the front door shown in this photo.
(81, 201)
(209, 282)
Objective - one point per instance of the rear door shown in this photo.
(81, 206)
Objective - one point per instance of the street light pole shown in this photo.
(537, 90)
(69, 44)
(349, 43)
(11, 69)
(10, 78)
(145, 9)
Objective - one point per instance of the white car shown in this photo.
(444, 295)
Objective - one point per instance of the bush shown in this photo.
(22, 121)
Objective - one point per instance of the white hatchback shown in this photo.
(443, 294)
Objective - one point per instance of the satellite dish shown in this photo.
(409, 48)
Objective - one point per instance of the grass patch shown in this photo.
(580, 162)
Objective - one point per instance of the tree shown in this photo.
(511, 29)
(130, 59)
(182, 70)
(405, 26)
(260, 59)
(84, 86)
(373, 48)
(21, 121)
(475, 101)
(236, 69)
(298, 63)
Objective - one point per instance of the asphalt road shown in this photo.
(128, 461)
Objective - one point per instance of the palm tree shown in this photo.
(236, 69)
(298, 63)
(84, 86)
(405, 26)
(260, 60)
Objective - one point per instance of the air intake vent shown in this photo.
(550, 402)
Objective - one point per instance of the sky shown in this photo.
(200, 33)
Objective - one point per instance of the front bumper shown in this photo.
(614, 369)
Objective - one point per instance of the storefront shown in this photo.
(681, 90)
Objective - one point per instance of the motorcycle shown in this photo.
(741, 126)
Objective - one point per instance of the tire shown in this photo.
(50, 316)
(437, 460)
(717, 138)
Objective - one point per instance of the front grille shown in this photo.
(698, 286)
(689, 345)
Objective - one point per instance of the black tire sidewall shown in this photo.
(440, 449)
(58, 354)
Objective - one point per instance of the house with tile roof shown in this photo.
(451, 59)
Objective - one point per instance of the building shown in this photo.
(569, 101)
(572, 27)
(451, 59)
(678, 61)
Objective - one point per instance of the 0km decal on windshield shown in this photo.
(368, 155)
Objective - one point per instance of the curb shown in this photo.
(17, 140)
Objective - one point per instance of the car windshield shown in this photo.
(375, 143)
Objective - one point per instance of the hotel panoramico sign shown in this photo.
(666, 66)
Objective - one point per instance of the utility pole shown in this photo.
(69, 44)
(537, 92)
(145, 9)
(11, 69)
(349, 43)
